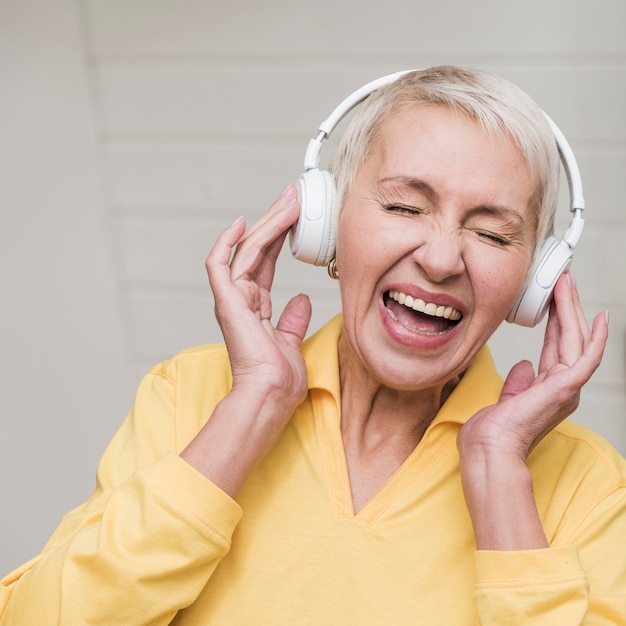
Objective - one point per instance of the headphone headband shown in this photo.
(312, 155)
(313, 237)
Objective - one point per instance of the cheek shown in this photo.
(354, 245)
(502, 284)
(499, 281)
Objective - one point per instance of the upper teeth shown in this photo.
(429, 308)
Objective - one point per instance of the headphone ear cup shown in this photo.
(532, 302)
(312, 237)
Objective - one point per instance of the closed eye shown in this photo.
(399, 208)
(497, 239)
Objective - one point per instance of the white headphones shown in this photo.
(312, 238)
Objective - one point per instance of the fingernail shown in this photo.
(606, 316)
(571, 279)
(239, 219)
(285, 190)
(289, 195)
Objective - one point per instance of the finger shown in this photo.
(550, 350)
(294, 321)
(259, 248)
(262, 272)
(591, 357)
(230, 303)
(518, 379)
(217, 263)
(286, 196)
(582, 318)
(284, 203)
(264, 307)
(572, 336)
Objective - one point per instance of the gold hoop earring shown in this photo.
(333, 272)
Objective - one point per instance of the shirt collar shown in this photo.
(480, 386)
(321, 358)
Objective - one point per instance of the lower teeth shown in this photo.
(418, 330)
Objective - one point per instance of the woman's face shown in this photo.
(434, 241)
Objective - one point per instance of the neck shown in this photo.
(380, 425)
(371, 405)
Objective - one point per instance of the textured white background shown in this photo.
(132, 131)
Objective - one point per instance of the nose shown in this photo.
(439, 254)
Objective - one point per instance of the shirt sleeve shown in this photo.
(531, 587)
(145, 543)
(582, 583)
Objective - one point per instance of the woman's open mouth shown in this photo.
(420, 316)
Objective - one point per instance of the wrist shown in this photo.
(258, 397)
(498, 490)
(244, 426)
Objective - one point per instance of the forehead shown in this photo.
(452, 150)
(437, 121)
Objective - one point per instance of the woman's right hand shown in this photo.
(263, 358)
(269, 373)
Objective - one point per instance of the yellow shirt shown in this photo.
(157, 543)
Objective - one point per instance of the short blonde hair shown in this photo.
(492, 101)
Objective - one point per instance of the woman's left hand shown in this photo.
(496, 441)
(532, 405)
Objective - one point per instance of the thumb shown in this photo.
(519, 379)
(294, 320)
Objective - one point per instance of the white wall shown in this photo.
(133, 130)
(64, 365)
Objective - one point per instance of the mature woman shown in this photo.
(379, 472)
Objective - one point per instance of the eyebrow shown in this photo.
(422, 186)
(410, 181)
